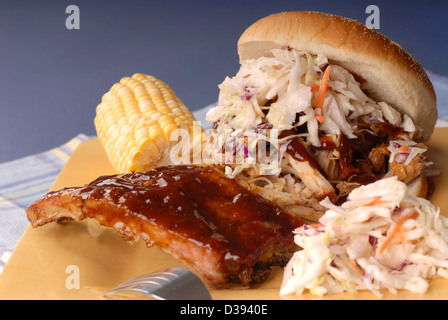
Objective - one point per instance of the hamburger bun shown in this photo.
(385, 70)
(419, 186)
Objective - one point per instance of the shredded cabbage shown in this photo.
(381, 238)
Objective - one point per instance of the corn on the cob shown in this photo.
(138, 124)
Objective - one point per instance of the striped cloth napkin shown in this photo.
(25, 180)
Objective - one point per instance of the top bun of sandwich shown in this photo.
(385, 70)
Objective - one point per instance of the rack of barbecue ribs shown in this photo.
(226, 233)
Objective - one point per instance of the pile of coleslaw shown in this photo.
(290, 89)
(380, 238)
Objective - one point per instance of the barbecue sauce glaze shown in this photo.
(205, 208)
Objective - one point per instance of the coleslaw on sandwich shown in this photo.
(381, 238)
(296, 128)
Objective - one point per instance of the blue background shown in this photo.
(52, 78)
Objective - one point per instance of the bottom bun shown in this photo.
(419, 186)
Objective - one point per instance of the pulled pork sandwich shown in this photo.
(321, 105)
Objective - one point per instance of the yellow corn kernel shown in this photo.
(136, 120)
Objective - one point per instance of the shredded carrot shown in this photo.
(314, 226)
(320, 118)
(374, 202)
(318, 115)
(397, 230)
(356, 267)
(316, 88)
(403, 148)
(323, 88)
(321, 94)
(276, 67)
(402, 237)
